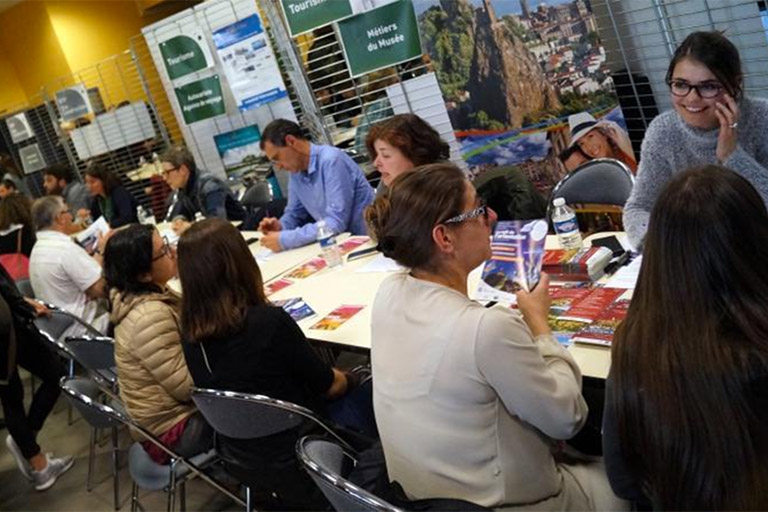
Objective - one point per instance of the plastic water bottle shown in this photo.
(566, 225)
(327, 239)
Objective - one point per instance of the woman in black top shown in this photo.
(110, 198)
(17, 233)
(235, 340)
(686, 416)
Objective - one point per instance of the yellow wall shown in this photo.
(11, 92)
(31, 46)
(89, 31)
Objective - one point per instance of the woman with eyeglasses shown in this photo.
(154, 380)
(469, 401)
(712, 122)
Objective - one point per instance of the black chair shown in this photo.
(601, 186)
(325, 462)
(97, 355)
(603, 181)
(87, 388)
(146, 473)
(246, 416)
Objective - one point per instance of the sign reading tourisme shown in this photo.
(381, 37)
(201, 99)
(186, 53)
(305, 15)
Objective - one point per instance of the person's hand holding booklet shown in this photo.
(515, 264)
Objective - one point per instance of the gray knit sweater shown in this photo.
(671, 146)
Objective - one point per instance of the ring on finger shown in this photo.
(734, 125)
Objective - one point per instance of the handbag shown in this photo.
(16, 264)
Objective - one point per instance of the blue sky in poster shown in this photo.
(519, 148)
(243, 29)
(501, 7)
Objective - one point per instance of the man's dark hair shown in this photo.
(278, 130)
(60, 172)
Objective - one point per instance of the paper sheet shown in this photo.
(380, 263)
(626, 277)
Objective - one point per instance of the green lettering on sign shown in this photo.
(381, 37)
(182, 55)
(201, 100)
(305, 15)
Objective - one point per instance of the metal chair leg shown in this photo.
(172, 486)
(115, 468)
(91, 457)
(69, 406)
(134, 497)
(248, 507)
(183, 496)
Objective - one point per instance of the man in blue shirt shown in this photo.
(325, 184)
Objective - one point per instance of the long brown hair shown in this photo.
(692, 354)
(219, 278)
(402, 219)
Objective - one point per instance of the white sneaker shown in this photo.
(45, 478)
(21, 461)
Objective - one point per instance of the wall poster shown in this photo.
(249, 63)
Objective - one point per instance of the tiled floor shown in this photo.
(69, 493)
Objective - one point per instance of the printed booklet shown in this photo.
(518, 249)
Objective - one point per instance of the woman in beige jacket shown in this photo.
(153, 376)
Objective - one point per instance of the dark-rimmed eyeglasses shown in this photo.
(481, 210)
(165, 172)
(166, 250)
(708, 90)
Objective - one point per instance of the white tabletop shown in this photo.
(333, 287)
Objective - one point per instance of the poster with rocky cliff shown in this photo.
(525, 84)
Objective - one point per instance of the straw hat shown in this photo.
(580, 124)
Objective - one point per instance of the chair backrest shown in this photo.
(84, 395)
(54, 324)
(324, 461)
(93, 352)
(257, 195)
(245, 416)
(600, 181)
(59, 321)
(96, 354)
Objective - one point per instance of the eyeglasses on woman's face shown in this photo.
(707, 90)
(165, 250)
(481, 210)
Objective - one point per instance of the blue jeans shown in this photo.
(354, 410)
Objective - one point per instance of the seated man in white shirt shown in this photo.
(61, 272)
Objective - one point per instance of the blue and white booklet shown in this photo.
(518, 251)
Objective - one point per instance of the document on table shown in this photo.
(380, 264)
(626, 277)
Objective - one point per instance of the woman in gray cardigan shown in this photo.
(712, 123)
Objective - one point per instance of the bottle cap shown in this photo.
(559, 201)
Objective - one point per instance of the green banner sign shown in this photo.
(381, 37)
(185, 54)
(201, 100)
(305, 15)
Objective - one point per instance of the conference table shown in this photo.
(355, 284)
